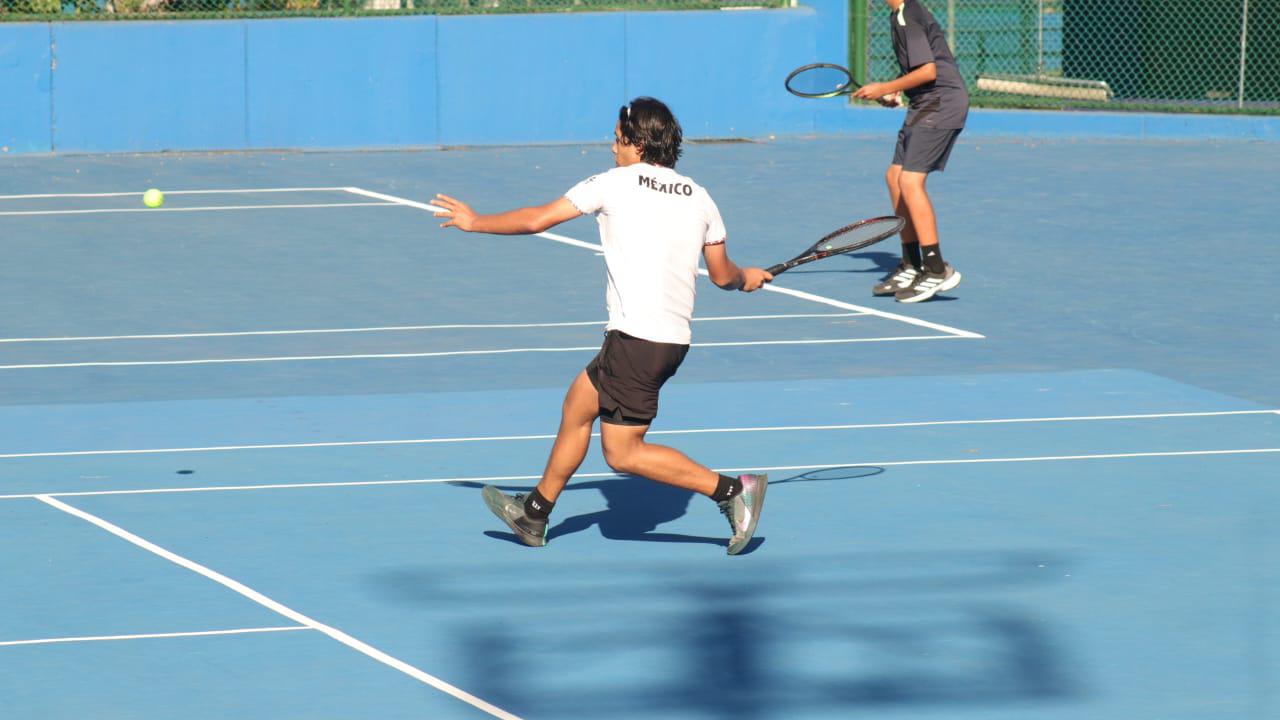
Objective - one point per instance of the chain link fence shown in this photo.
(18, 10)
(1174, 55)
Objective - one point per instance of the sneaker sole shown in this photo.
(757, 504)
(946, 285)
(497, 503)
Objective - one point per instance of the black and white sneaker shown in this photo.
(928, 284)
(901, 278)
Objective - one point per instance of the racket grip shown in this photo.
(775, 269)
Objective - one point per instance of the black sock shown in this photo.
(537, 507)
(726, 488)
(932, 259)
(911, 254)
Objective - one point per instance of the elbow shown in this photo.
(930, 72)
(533, 226)
(727, 281)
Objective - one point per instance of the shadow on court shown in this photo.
(818, 637)
(635, 507)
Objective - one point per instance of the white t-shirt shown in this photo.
(654, 223)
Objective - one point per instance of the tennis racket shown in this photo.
(821, 80)
(824, 80)
(847, 239)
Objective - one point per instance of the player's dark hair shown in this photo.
(648, 124)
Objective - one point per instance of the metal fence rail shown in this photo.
(1177, 55)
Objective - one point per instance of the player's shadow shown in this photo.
(635, 508)
(840, 472)
(883, 262)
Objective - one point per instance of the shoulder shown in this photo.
(612, 175)
(698, 192)
(919, 14)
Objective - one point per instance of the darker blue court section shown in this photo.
(1048, 494)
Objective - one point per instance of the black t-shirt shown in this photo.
(918, 40)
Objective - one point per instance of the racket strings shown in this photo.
(860, 234)
(819, 81)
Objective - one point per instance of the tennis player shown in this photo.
(938, 109)
(654, 224)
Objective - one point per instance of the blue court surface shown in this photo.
(244, 436)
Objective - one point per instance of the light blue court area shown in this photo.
(243, 437)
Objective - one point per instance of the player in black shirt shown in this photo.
(939, 105)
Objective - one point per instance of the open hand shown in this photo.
(459, 214)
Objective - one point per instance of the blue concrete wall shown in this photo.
(458, 80)
(25, 76)
(722, 72)
(148, 86)
(318, 83)
(530, 78)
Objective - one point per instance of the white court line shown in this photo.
(210, 208)
(404, 328)
(286, 611)
(532, 478)
(443, 353)
(772, 287)
(697, 431)
(175, 192)
(149, 636)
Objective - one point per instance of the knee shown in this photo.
(892, 175)
(911, 183)
(620, 458)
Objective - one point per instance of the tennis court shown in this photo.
(245, 434)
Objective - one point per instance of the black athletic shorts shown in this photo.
(628, 372)
(924, 149)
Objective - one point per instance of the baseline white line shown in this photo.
(296, 486)
(772, 287)
(210, 208)
(174, 192)
(393, 199)
(150, 636)
(403, 328)
(445, 353)
(694, 431)
(531, 478)
(1037, 458)
(284, 610)
(871, 311)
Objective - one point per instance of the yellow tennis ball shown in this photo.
(153, 198)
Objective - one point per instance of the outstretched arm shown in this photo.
(522, 221)
(727, 275)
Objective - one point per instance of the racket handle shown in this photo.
(775, 269)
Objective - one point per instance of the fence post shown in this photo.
(951, 25)
(858, 40)
(1244, 50)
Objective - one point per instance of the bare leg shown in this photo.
(923, 224)
(577, 415)
(626, 451)
(893, 179)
